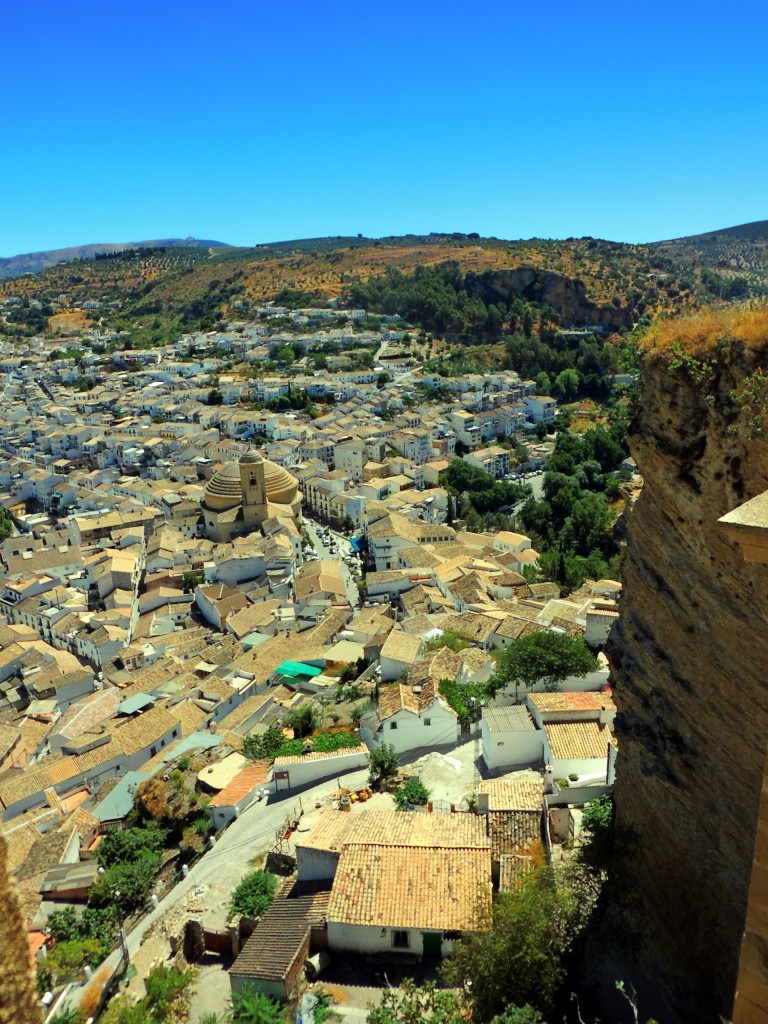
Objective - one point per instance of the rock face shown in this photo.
(18, 997)
(565, 294)
(690, 669)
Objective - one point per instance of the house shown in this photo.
(217, 602)
(510, 738)
(398, 653)
(401, 882)
(272, 960)
(239, 793)
(409, 717)
(516, 823)
(578, 736)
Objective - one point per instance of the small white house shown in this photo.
(399, 652)
(510, 738)
(409, 717)
(248, 785)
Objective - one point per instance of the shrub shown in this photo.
(254, 894)
(304, 720)
(412, 793)
(249, 1006)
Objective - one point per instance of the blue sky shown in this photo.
(250, 121)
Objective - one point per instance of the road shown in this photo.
(342, 548)
(217, 873)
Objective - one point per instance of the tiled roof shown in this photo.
(396, 828)
(243, 783)
(279, 937)
(591, 700)
(511, 719)
(402, 697)
(141, 732)
(577, 740)
(525, 794)
(412, 887)
(319, 755)
(513, 831)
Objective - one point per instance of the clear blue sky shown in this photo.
(260, 120)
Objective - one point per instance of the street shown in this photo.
(343, 547)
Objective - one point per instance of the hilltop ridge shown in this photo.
(34, 262)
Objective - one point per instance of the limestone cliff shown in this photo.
(690, 662)
(18, 998)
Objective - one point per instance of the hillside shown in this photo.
(163, 289)
(733, 262)
(34, 262)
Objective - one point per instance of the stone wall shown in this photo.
(690, 670)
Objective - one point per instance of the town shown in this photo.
(253, 641)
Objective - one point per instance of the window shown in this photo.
(152, 751)
(393, 725)
(427, 721)
(175, 733)
(401, 940)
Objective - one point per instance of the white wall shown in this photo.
(412, 731)
(366, 939)
(315, 865)
(511, 749)
(300, 773)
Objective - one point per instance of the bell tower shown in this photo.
(254, 488)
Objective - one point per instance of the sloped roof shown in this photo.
(412, 887)
(279, 937)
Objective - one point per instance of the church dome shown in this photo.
(224, 490)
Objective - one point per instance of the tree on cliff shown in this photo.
(543, 657)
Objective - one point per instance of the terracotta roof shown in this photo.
(279, 937)
(590, 700)
(243, 783)
(412, 887)
(577, 740)
(395, 828)
(525, 794)
(513, 831)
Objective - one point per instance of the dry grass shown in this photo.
(68, 321)
(700, 333)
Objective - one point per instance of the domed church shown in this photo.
(241, 495)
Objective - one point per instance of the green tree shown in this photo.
(190, 580)
(285, 354)
(544, 657)
(127, 886)
(125, 845)
(383, 763)
(521, 959)
(566, 385)
(253, 895)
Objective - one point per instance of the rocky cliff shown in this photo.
(690, 658)
(18, 998)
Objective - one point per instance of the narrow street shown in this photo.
(342, 545)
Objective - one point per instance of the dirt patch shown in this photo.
(68, 321)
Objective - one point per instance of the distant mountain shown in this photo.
(32, 262)
(738, 254)
(755, 229)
